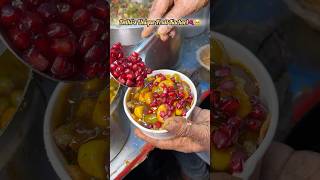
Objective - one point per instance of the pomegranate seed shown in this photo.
(237, 161)
(129, 83)
(115, 74)
(227, 85)
(96, 26)
(254, 124)
(62, 67)
(140, 83)
(223, 72)
(57, 30)
(48, 11)
(9, 15)
(100, 9)
(64, 46)
(130, 76)
(42, 44)
(139, 78)
(135, 54)
(76, 3)
(95, 53)
(225, 136)
(155, 95)
(135, 67)
(86, 41)
(235, 121)
(258, 112)
(157, 124)
(140, 64)
(119, 68)
(31, 22)
(113, 67)
(122, 80)
(36, 60)
(65, 11)
(162, 114)
(184, 113)
(33, 3)
(81, 18)
(21, 39)
(230, 106)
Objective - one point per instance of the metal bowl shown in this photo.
(15, 131)
(159, 55)
(119, 126)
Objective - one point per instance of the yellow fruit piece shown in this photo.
(85, 108)
(179, 112)
(99, 116)
(239, 92)
(186, 94)
(148, 97)
(158, 80)
(16, 97)
(6, 117)
(6, 85)
(176, 77)
(220, 159)
(142, 94)
(164, 108)
(4, 103)
(95, 84)
(166, 82)
(138, 111)
(92, 158)
(76, 173)
(114, 87)
(217, 51)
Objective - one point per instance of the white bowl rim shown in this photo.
(262, 148)
(49, 142)
(169, 71)
(199, 51)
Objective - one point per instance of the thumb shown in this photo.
(181, 127)
(176, 125)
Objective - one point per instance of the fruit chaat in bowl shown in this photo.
(245, 109)
(166, 93)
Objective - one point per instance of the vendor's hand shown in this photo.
(191, 135)
(171, 9)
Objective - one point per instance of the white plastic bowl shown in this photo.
(162, 134)
(54, 154)
(267, 93)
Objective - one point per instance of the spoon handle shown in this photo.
(146, 43)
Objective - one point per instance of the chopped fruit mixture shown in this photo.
(163, 97)
(124, 9)
(67, 39)
(12, 85)
(238, 117)
(129, 71)
(81, 130)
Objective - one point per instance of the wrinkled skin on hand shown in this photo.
(171, 9)
(191, 135)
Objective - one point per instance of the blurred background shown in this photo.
(284, 35)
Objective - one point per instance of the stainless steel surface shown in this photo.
(158, 54)
(127, 36)
(119, 128)
(24, 154)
